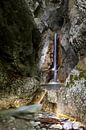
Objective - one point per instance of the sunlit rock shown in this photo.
(21, 92)
(76, 125)
(68, 125)
(58, 126)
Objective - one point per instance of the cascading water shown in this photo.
(55, 84)
(55, 57)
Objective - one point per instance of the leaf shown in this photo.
(49, 120)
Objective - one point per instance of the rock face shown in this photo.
(20, 34)
(71, 99)
(20, 92)
(77, 30)
(18, 47)
(75, 97)
(70, 24)
(22, 23)
(16, 33)
(75, 36)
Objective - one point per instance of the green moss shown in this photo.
(82, 75)
(85, 83)
(78, 67)
(67, 85)
(71, 82)
(73, 77)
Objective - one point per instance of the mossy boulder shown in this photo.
(20, 92)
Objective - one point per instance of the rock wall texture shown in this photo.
(71, 99)
(18, 45)
(27, 28)
(21, 24)
(68, 19)
(16, 30)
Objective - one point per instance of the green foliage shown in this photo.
(82, 75)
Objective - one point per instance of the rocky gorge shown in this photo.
(27, 29)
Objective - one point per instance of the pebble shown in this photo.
(68, 125)
(34, 123)
(76, 125)
(43, 129)
(38, 127)
(38, 115)
(56, 126)
(13, 128)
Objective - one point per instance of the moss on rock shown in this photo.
(82, 75)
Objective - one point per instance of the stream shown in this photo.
(33, 118)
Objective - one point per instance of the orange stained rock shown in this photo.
(62, 74)
(59, 51)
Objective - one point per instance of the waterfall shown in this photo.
(55, 57)
(55, 84)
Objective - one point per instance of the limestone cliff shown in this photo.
(27, 28)
(68, 19)
(18, 45)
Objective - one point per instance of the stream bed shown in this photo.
(38, 121)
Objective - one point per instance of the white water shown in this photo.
(55, 57)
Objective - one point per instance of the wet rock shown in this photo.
(34, 123)
(76, 125)
(47, 39)
(71, 31)
(67, 125)
(45, 53)
(58, 126)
